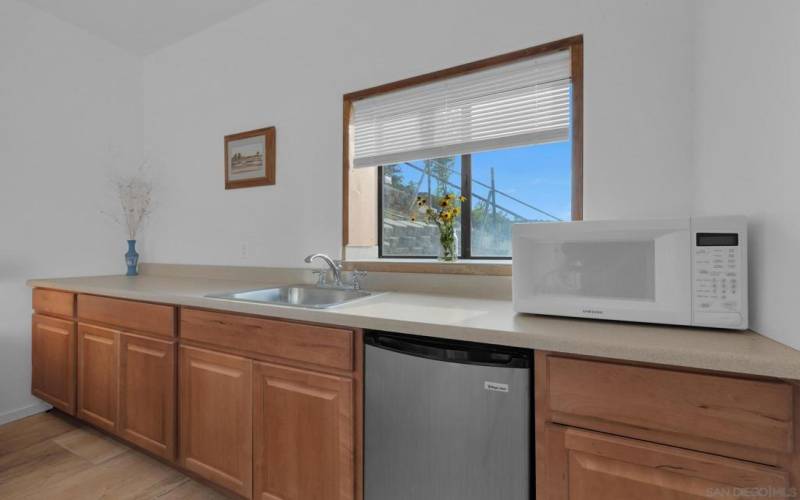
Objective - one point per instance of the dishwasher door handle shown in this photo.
(450, 351)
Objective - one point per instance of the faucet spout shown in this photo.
(335, 268)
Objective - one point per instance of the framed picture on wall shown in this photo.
(250, 158)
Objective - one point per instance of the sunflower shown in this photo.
(462, 198)
(444, 203)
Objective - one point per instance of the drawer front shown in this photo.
(674, 407)
(54, 303)
(317, 345)
(127, 314)
(586, 465)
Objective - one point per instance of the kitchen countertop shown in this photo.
(474, 319)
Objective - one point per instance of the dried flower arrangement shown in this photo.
(135, 193)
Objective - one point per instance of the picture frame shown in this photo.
(250, 158)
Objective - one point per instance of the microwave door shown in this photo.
(616, 271)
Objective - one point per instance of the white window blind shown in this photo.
(516, 104)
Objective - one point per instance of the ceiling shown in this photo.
(143, 26)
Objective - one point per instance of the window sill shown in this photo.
(424, 266)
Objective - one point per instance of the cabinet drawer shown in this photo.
(127, 314)
(54, 303)
(586, 465)
(317, 345)
(673, 407)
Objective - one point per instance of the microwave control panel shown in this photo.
(718, 282)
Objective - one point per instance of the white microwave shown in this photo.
(688, 271)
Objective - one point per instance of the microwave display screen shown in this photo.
(717, 239)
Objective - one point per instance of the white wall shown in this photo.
(69, 104)
(288, 63)
(747, 156)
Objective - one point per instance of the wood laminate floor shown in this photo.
(52, 456)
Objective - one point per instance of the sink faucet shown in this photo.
(336, 268)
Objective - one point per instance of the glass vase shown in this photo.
(448, 243)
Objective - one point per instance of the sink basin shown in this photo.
(296, 295)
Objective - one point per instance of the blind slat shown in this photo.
(517, 104)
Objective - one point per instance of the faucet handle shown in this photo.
(320, 274)
(357, 277)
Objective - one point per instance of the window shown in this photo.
(530, 183)
(504, 132)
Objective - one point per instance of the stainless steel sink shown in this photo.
(297, 295)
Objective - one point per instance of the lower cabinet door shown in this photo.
(585, 465)
(303, 435)
(216, 440)
(97, 375)
(147, 393)
(53, 362)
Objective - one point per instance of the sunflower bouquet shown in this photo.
(444, 216)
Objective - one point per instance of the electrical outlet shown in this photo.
(243, 251)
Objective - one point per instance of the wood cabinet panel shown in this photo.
(674, 407)
(53, 347)
(97, 375)
(303, 435)
(54, 302)
(147, 385)
(157, 319)
(215, 394)
(587, 465)
(317, 345)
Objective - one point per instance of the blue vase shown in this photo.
(132, 259)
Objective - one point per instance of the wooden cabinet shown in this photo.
(609, 430)
(303, 434)
(127, 381)
(97, 376)
(216, 439)
(53, 361)
(586, 465)
(147, 390)
(274, 411)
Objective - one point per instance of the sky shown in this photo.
(538, 175)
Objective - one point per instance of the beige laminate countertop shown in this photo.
(477, 320)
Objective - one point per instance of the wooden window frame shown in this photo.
(574, 44)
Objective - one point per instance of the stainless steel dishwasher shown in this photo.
(446, 420)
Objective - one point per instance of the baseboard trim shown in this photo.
(25, 411)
